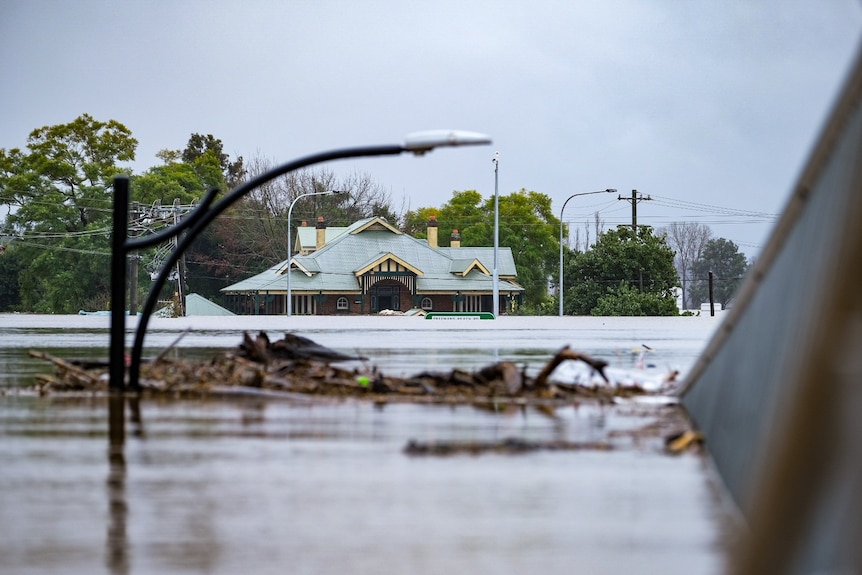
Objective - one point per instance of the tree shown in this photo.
(360, 196)
(165, 184)
(728, 266)
(622, 274)
(200, 145)
(182, 182)
(688, 240)
(627, 300)
(162, 196)
(10, 268)
(66, 179)
(416, 222)
(62, 195)
(527, 226)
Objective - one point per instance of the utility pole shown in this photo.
(636, 198)
(133, 283)
(181, 264)
(133, 271)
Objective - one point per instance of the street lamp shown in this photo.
(496, 289)
(290, 244)
(560, 287)
(196, 221)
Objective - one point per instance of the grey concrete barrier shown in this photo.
(778, 390)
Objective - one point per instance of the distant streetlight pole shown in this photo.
(496, 290)
(290, 244)
(560, 286)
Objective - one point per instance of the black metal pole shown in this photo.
(116, 353)
(711, 297)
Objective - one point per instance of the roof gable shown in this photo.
(462, 267)
(376, 224)
(387, 262)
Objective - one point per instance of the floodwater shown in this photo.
(266, 485)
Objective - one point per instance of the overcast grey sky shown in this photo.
(702, 102)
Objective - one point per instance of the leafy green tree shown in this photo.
(10, 268)
(166, 184)
(624, 299)
(60, 196)
(527, 226)
(198, 146)
(64, 182)
(728, 266)
(182, 182)
(465, 212)
(416, 222)
(16, 180)
(606, 279)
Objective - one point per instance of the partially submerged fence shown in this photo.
(778, 390)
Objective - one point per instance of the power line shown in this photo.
(673, 202)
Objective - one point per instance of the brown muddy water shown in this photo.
(265, 485)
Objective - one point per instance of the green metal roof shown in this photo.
(332, 268)
(197, 305)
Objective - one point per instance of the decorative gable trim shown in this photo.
(388, 263)
(306, 269)
(376, 224)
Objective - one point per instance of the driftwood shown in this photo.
(567, 354)
(508, 446)
(297, 365)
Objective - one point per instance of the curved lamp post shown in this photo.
(290, 245)
(417, 144)
(608, 191)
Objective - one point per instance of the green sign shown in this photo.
(459, 315)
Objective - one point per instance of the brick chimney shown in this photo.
(321, 233)
(432, 231)
(455, 239)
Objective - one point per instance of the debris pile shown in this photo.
(298, 368)
(298, 365)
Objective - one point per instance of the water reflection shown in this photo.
(117, 547)
(270, 486)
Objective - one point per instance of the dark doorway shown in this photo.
(385, 297)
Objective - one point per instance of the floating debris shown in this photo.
(297, 365)
(683, 441)
(508, 446)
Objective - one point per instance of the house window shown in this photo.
(426, 304)
(341, 304)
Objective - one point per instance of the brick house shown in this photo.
(371, 266)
